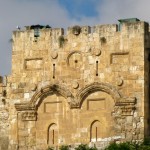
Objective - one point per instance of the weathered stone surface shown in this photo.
(92, 88)
(4, 142)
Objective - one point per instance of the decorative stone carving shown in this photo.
(119, 58)
(127, 105)
(24, 106)
(96, 51)
(33, 63)
(126, 101)
(34, 102)
(33, 87)
(29, 116)
(74, 59)
(75, 85)
(73, 102)
(119, 82)
(127, 110)
(54, 54)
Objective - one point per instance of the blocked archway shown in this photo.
(52, 134)
(49, 101)
(51, 89)
(96, 86)
(95, 130)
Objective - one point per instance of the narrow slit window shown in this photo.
(96, 68)
(53, 71)
(96, 134)
(53, 137)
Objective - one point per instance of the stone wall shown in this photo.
(4, 117)
(89, 85)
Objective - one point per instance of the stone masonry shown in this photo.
(90, 85)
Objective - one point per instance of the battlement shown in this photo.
(128, 26)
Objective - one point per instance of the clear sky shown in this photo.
(62, 13)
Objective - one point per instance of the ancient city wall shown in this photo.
(65, 87)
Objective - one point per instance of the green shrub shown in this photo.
(85, 147)
(145, 145)
(61, 41)
(50, 148)
(112, 146)
(82, 147)
(121, 146)
(92, 148)
(64, 147)
(146, 141)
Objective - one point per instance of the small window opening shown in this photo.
(53, 137)
(96, 68)
(96, 133)
(76, 61)
(53, 71)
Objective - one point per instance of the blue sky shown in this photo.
(62, 13)
(78, 8)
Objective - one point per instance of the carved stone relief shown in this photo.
(29, 116)
(33, 63)
(54, 54)
(76, 101)
(74, 59)
(119, 58)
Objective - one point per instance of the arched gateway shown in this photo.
(54, 116)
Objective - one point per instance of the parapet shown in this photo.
(131, 25)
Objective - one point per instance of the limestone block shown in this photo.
(26, 95)
(91, 60)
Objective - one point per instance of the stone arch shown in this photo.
(72, 53)
(52, 134)
(96, 86)
(94, 125)
(50, 89)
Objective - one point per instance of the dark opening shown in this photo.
(53, 71)
(53, 137)
(96, 68)
(76, 61)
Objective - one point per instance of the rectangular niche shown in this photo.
(34, 63)
(96, 104)
(53, 107)
(119, 58)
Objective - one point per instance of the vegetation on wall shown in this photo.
(145, 145)
(79, 147)
(10, 40)
(61, 41)
(103, 40)
(76, 30)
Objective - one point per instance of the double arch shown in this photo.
(73, 101)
